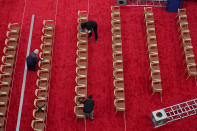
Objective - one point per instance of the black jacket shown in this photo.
(89, 25)
(32, 61)
(88, 106)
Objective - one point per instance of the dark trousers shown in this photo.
(31, 67)
(95, 32)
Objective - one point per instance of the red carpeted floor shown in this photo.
(139, 102)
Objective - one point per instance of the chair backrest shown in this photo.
(115, 8)
(118, 106)
(82, 13)
(78, 110)
(37, 121)
(147, 9)
(81, 69)
(82, 36)
(11, 25)
(181, 11)
(79, 97)
(81, 62)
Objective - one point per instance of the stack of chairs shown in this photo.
(186, 43)
(43, 74)
(155, 76)
(7, 69)
(118, 75)
(82, 65)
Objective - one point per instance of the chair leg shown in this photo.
(153, 92)
(188, 77)
(161, 96)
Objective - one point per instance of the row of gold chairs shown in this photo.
(43, 74)
(82, 64)
(186, 43)
(119, 101)
(7, 69)
(155, 76)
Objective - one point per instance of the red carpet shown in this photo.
(139, 102)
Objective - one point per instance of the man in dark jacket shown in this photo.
(88, 107)
(32, 60)
(90, 25)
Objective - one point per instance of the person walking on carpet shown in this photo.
(90, 25)
(32, 60)
(88, 107)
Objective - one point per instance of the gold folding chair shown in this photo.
(118, 64)
(157, 87)
(82, 36)
(181, 12)
(119, 104)
(82, 44)
(153, 56)
(119, 93)
(148, 10)
(118, 74)
(186, 42)
(117, 47)
(116, 39)
(49, 24)
(43, 73)
(38, 125)
(83, 14)
(78, 110)
(14, 27)
(151, 40)
(150, 31)
(152, 48)
(4, 100)
(2, 122)
(155, 75)
(41, 102)
(182, 19)
(81, 80)
(42, 83)
(116, 31)
(77, 98)
(41, 94)
(185, 34)
(81, 71)
(39, 115)
(188, 50)
(3, 111)
(47, 32)
(189, 59)
(117, 55)
(46, 55)
(116, 23)
(81, 62)
(115, 8)
(191, 70)
(10, 43)
(150, 24)
(82, 53)
(6, 77)
(9, 51)
(7, 69)
(46, 40)
(81, 90)
(183, 26)
(45, 47)
(44, 64)
(154, 65)
(119, 83)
